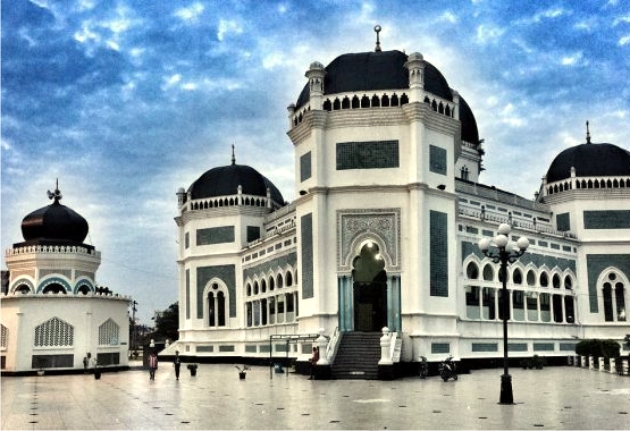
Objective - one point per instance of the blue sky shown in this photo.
(126, 101)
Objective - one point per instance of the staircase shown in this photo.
(357, 356)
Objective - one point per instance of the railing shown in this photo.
(53, 249)
(331, 348)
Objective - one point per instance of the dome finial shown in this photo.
(377, 29)
(56, 195)
(233, 156)
(588, 134)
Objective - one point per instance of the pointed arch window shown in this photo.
(54, 333)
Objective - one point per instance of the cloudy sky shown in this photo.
(125, 101)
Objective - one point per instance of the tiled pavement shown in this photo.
(553, 398)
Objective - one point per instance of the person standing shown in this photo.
(178, 363)
(153, 365)
(314, 359)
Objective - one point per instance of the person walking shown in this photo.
(178, 363)
(314, 359)
(153, 365)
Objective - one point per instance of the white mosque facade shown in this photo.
(384, 233)
(53, 312)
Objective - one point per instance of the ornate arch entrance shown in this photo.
(369, 289)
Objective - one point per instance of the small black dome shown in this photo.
(224, 181)
(590, 160)
(55, 224)
(371, 71)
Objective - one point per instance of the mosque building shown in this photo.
(54, 316)
(384, 233)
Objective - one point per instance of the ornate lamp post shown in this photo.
(507, 253)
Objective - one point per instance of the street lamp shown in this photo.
(507, 253)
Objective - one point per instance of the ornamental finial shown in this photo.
(56, 195)
(377, 29)
(233, 156)
(588, 134)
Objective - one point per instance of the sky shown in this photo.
(125, 101)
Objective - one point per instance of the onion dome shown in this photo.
(55, 224)
(225, 180)
(384, 70)
(590, 160)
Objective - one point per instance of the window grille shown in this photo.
(5, 337)
(54, 332)
(108, 333)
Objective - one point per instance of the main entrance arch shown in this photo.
(369, 289)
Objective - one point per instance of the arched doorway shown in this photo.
(369, 289)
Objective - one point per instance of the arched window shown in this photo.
(517, 276)
(53, 333)
(345, 103)
(608, 302)
(279, 281)
(556, 281)
(54, 289)
(289, 279)
(256, 289)
(385, 101)
(488, 273)
(22, 289)
(263, 286)
(336, 104)
(355, 102)
(375, 101)
(365, 102)
(216, 306)
(531, 278)
(472, 271)
(568, 282)
(544, 279)
(272, 284)
(249, 289)
(83, 290)
(108, 333)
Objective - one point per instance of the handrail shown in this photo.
(331, 348)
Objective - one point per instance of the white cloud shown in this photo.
(571, 60)
(624, 40)
(488, 34)
(448, 16)
(621, 20)
(228, 27)
(191, 13)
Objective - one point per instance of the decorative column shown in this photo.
(315, 75)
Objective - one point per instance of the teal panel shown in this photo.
(563, 222)
(438, 249)
(607, 219)
(367, 155)
(215, 235)
(485, 347)
(225, 273)
(437, 159)
(595, 264)
(306, 223)
(305, 166)
(188, 294)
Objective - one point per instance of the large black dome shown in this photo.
(55, 224)
(224, 181)
(590, 160)
(384, 70)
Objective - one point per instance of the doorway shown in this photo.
(369, 289)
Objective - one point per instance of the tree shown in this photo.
(167, 323)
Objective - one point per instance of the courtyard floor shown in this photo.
(552, 398)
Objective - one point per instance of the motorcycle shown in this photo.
(447, 369)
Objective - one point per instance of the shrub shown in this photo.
(598, 348)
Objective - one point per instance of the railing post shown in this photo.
(385, 351)
(322, 343)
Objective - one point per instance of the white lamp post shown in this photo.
(507, 253)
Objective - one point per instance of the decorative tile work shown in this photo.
(215, 235)
(544, 347)
(485, 347)
(306, 224)
(437, 159)
(439, 348)
(354, 226)
(264, 348)
(438, 249)
(225, 273)
(569, 347)
(607, 219)
(595, 264)
(305, 166)
(517, 347)
(226, 349)
(563, 222)
(536, 259)
(188, 294)
(205, 349)
(367, 155)
(250, 348)
(253, 233)
(5, 337)
(263, 268)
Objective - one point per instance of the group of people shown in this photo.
(177, 363)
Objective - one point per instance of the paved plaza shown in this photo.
(552, 398)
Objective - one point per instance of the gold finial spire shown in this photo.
(588, 134)
(56, 195)
(377, 29)
(233, 156)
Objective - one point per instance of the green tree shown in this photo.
(167, 323)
